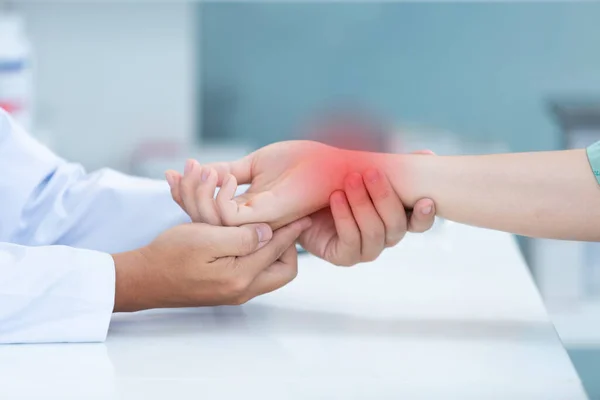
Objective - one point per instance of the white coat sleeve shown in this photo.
(47, 200)
(51, 291)
(54, 294)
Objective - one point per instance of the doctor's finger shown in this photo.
(283, 238)
(388, 206)
(372, 229)
(277, 275)
(347, 247)
(422, 216)
(238, 241)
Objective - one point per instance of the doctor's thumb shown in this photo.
(264, 233)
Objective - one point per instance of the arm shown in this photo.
(550, 194)
(545, 194)
(47, 200)
(358, 224)
(62, 294)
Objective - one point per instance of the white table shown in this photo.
(452, 314)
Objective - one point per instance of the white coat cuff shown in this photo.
(55, 294)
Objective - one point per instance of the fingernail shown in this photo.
(427, 210)
(205, 174)
(189, 166)
(372, 175)
(264, 234)
(355, 181)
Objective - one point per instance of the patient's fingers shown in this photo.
(241, 169)
(227, 206)
(205, 197)
(247, 208)
(189, 183)
(174, 180)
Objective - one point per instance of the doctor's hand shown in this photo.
(357, 225)
(201, 265)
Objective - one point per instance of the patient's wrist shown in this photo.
(412, 175)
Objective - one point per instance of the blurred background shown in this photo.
(140, 86)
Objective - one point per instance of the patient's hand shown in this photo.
(356, 224)
(288, 180)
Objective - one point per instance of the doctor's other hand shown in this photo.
(202, 265)
(360, 221)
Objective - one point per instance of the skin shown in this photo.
(196, 265)
(544, 194)
(356, 225)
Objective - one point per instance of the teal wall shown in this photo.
(481, 70)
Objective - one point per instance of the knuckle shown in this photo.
(226, 218)
(240, 300)
(369, 257)
(236, 287)
(383, 194)
(393, 240)
(394, 234)
(345, 262)
(293, 273)
(201, 192)
(353, 242)
(375, 235)
(187, 186)
(360, 201)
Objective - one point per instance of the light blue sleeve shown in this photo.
(47, 200)
(593, 154)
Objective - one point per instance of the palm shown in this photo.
(289, 180)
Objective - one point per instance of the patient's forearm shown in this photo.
(545, 194)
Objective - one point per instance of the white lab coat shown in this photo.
(58, 225)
